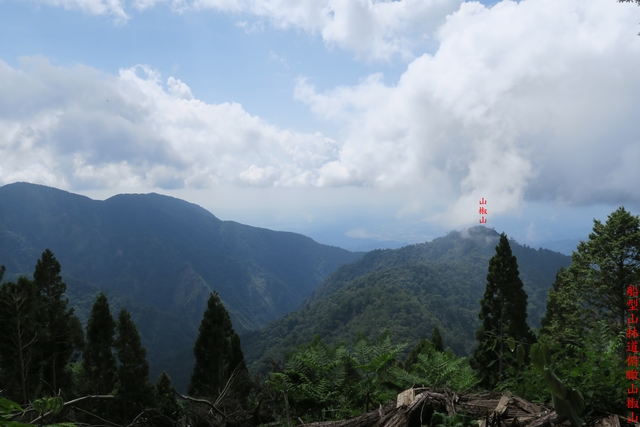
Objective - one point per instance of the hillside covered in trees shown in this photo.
(572, 369)
(408, 291)
(160, 257)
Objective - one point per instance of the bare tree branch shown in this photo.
(206, 402)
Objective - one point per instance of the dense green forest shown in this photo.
(54, 370)
(160, 257)
(164, 251)
(408, 291)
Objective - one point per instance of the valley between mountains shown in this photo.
(160, 257)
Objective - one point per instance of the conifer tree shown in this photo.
(99, 364)
(18, 334)
(436, 339)
(217, 352)
(58, 342)
(165, 396)
(607, 263)
(134, 391)
(563, 321)
(503, 312)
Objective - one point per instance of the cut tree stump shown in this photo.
(415, 407)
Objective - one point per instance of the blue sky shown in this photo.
(351, 121)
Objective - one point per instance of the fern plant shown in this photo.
(372, 361)
(314, 376)
(437, 369)
(322, 381)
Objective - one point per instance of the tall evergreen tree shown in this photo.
(58, 343)
(503, 312)
(99, 364)
(563, 321)
(436, 339)
(134, 391)
(217, 352)
(18, 334)
(606, 264)
(165, 396)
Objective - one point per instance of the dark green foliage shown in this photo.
(99, 364)
(165, 255)
(165, 397)
(436, 339)
(606, 264)
(59, 341)
(567, 401)
(169, 338)
(583, 329)
(409, 291)
(19, 371)
(39, 337)
(315, 380)
(418, 349)
(371, 361)
(563, 322)
(593, 367)
(409, 300)
(329, 382)
(134, 391)
(433, 368)
(503, 312)
(155, 248)
(217, 352)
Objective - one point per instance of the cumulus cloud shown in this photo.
(77, 128)
(522, 101)
(533, 101)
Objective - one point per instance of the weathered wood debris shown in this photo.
(415, 407)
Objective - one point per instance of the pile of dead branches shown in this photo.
(416, 406)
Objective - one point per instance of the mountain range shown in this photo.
(161, 256)
(408, 291)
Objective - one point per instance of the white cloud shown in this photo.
(76, 128)
(532, 101)
(178, 89)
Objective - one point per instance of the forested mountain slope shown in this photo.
(409, 291)
(166, 255)
(164, 251)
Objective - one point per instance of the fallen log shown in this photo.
(415, 408)
(491, 409)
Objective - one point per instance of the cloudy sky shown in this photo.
(350, 121)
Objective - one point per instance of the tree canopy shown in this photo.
(217, 352)
(60, 336)
(607, 263)
(503, 314)
(134, 391)
(99, 364)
